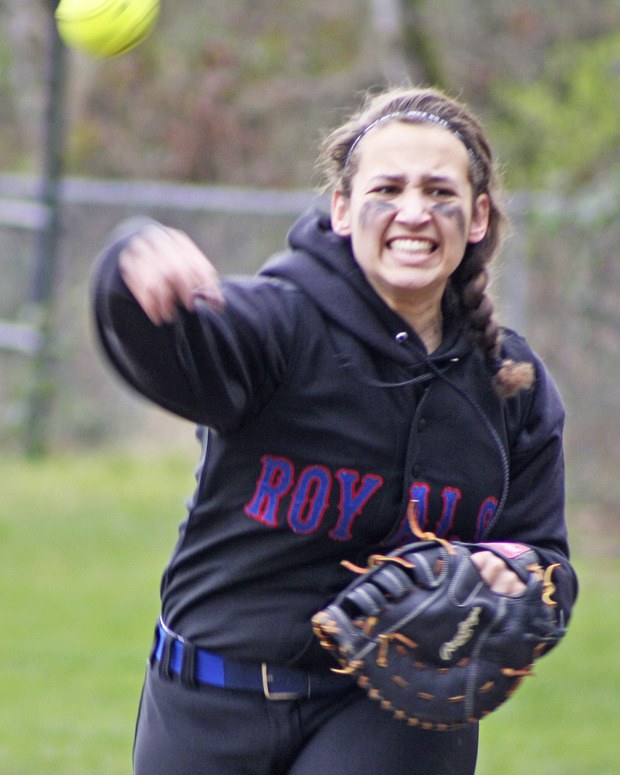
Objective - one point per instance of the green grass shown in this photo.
(84, 541)
(566, 719)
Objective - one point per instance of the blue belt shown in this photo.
(195, 666)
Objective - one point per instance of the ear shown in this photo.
(340, 214)
(480, 219)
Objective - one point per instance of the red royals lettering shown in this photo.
(310, 491)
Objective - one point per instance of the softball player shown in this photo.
(359, 369)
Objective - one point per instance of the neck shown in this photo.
(430, 331)
(421, 310)
(426, 320)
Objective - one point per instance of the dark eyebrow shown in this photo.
(443, 179)
(390, 177)
(386, 178)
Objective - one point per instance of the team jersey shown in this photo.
(320, 416)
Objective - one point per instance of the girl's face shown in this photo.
(411, 212)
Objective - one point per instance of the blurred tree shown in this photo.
(562, 128)
(422, 47)
(23, 32)
(409, 52)
(238, 92)
(387, 23)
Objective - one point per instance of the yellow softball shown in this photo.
(106, 28)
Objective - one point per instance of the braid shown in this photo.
(477, 312)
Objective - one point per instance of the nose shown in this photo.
(413, 208)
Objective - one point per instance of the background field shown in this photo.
(84, 541)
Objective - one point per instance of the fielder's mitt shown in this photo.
(429, 639)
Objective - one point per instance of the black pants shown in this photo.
(212, 731)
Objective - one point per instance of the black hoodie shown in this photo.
(321, 415)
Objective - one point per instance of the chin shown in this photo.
(411, 280)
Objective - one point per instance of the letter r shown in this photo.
(274, 482)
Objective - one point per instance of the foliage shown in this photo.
(220, 93)
(239, 92)
(562, 128)
(85, 540)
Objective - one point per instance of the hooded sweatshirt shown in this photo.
(320, 416)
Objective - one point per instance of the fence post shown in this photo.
(39, 399)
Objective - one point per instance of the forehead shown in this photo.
(406, 148)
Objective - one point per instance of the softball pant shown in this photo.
(206, 730)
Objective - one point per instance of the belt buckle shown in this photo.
(276, 696)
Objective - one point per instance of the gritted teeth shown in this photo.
(408, 245)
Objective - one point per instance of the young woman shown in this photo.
(358, 370)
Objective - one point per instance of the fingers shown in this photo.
(497, 575)
(163, 268)
(204, 277)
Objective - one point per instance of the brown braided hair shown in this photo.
(467, 289)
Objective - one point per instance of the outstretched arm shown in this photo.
(161, 318)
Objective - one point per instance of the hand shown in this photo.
(497, 575)
(163, 268)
